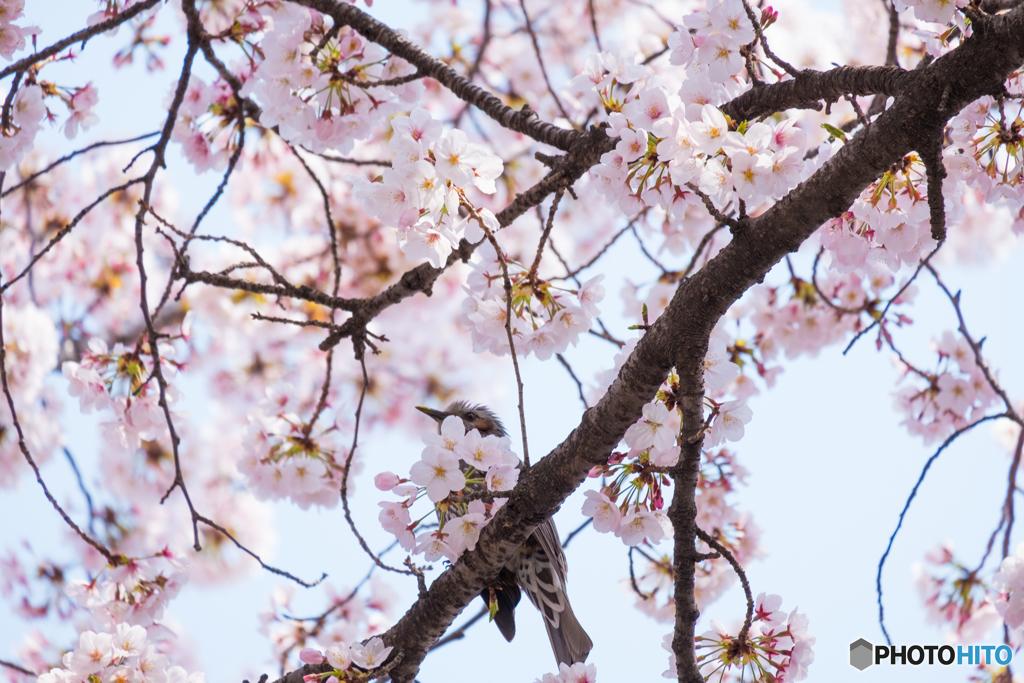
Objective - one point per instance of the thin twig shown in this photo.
(632, 578)
(336, 264)
(1006, 518)
(577, 530)
(84, 490)
(79, 37)
(579, 385)
(570, 273)
(826, 299)
(69, 157)
(704, 241)
(289, 321)
(1008, 510)
(508, 322)
(718, 215)
(724, 552)
(646, 253)
(484, 40)
(593, 25)
(540, 60)
(790, 69)
(23, 446)
(63, 232)
(891, 58)
(232, 162)
(921, 266)
(159, 149)
(532, 276)
(273, 570)
(346, 160)
(906, 507)
(348, 469)
(15, 667)
(976, 349)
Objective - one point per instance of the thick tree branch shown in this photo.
(811, 87)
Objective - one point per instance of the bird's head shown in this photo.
(473, 417)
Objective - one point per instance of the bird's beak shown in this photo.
(430, 412)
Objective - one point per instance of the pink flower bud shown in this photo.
(595, 472)
(311, 656)
(385, 481)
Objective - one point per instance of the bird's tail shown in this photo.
(569, 641)
(542, 585)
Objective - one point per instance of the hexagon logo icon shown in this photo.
(860, 654)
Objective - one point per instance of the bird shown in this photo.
(538, 567)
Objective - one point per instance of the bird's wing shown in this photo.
(547, 535)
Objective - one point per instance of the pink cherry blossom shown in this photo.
(603, 510)
(438, 471)
(371, 655)
(639, 525)
(728, 426)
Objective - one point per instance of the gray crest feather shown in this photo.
(467, 411)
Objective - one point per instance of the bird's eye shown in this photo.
(470, 416)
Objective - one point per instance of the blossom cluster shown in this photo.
(422, 191)
(953, 396)
(1008, 584)
(134, 592)
(29, 110)
(888, 225)
(654, 585)
(935, 11)
(580, 672)
(27, 116)
(795, 320)
(284, 458)
(455, 466)
(12, 36)
(120, 379)
(126, 603)
(677, 149)
(680, 153)
(325, 96)
(354, 617)
(630, 503)
(203, 127)
(120, 656)
(31, 346)
(545, 320)
(777, 647)
(366, 656)
(955, 596)
(986, 153)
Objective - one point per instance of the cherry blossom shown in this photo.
(728, 426)
(439, 472)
